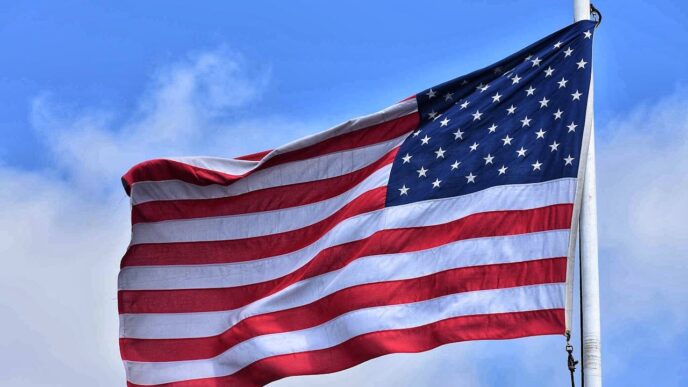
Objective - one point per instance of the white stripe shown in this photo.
(240, 167)
(256, 223)
(419, 214)
(316, 168)
(371, 269)
(347, 326)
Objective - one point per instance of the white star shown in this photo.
(444, 122)
(477, 115)
(568, 52)
(424, 140)
(422, 172)
(572, 127)
(581, 64)
(511, 109)
(407, 158)
(496, 97)
(528, 58)
(525, 122)
(548, 72)
(536, 61)
(464, 82)
(458, 134)
(502, 170)
(540, 133)
(557, 114)
(464, 105)
(488, 159)
(537, 165)
(482, 87)
(521, 152)
(404, 190)
(440, 153)
(530, 90)
(455, 165)
(507, 140)
(568, 160)
(558, 45)
(474, 146)
(492, 128)
(562, 83)
(416, 133)
(470, 178)
(554, 146)
(543, 102)
(431, 94)
(576, 96)
(436, 183)
(432, 114)
(448, 96)
(587, 34)
(515, 79)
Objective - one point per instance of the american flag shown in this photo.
(449, 216)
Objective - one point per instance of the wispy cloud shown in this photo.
(66, 226)
(186, 107)
(643, 186)
(59, 251)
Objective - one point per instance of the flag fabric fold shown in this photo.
(447, 217)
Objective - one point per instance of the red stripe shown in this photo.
(256, 201)
(254, 156)
(237, 250)
(371, 345)
(486, 224)
(363, 296)
(359, 138)
(164, 169)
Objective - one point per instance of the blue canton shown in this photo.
(518, 121)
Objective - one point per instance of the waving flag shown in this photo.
(449, 216)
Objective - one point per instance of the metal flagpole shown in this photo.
(590, 288)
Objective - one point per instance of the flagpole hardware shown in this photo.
(596, 15)
(571, 361)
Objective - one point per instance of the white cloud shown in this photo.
(57, 291)
(66, 227)
(643, 185)
(643, 181)
(186, 107)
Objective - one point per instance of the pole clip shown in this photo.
(596, 15)
(571, 361)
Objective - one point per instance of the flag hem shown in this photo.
(588, 128)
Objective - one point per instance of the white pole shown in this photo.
(590, 278)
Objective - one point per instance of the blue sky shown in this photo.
(89, 89)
